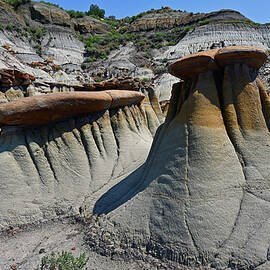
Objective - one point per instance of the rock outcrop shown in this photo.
(14, 77)
(90, 25)
(37, 31)
(202, 197)
(168, 19)
(58, 150)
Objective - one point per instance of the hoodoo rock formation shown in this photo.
(202, 197)
(60, 150)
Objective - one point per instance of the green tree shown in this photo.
(96, 11)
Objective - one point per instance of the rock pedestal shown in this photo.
(203, 195)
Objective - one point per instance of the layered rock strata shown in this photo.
(14, 77)
(52, 169)
(202, 197)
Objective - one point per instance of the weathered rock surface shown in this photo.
(169, 18)
(47, 14)
(51, 170)
(217, 36)
(191, 65)
(202, 197)
(252, 56)
(59, 41)
(45, 109)
(90, 25)
(13, 77)
(12, 94)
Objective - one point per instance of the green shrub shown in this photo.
(36, 34)
(1, 27)
(10, 27)
(246, 22)
(99, 47)
(63, 261)
(204, 22)
(50, 4)
(113, 23)
(145, 80)
(83, 66)
(38, 49)
(188, 28)
(171, 43)
(165, 60)
(76, 14)
(16, 3)
(160, 69)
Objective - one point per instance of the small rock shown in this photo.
(42, 250)
(13, 94)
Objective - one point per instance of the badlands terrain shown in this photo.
(143, 142)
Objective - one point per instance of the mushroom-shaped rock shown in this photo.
(252, 56)
(45, 109)
(203, 195)
(191, 65)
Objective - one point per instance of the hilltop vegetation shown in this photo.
(142, 29)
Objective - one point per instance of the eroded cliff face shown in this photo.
(63, 145)
(169, 19)
(209, 37)
(50, 171)
(213, 35)
(202, 196)
(59, 41)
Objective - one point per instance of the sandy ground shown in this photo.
(24, 248)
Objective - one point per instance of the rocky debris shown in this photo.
(40, 110)
(164, 105)
(14, 77)
(13, 95)
(126, 83)
(202, 197)
(3, 98)
(25, 250)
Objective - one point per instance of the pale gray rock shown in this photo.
(62, 77)
(202, 196)
(163, 85)
(143, 73)
(52, 170)
(62, 46)
(30, 91)
(13, 95)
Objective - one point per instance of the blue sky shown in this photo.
(258, 10)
